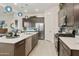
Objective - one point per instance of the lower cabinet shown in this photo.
(6, 49)
(19, 49)
(28, 45)
(63, 49)
(34, 40)
(56, 42)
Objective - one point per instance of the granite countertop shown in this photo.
(71, 42)
(17, 39)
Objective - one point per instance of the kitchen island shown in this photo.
(68, 46)
(19, 46)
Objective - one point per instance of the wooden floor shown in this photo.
(44, 48)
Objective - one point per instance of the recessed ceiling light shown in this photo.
(36, 10)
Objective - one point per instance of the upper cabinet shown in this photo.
(76, 14)
(66, 14)
(70, 14)
(32, 20)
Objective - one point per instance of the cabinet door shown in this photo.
(76, 15)
(56, 41)
(70, 14)
(63, 49)
(6, 49)
(60, 50)
(34, 40)
(20, 48)
(28, 45)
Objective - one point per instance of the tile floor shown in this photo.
(44, 48)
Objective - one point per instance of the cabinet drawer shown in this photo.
(20, 43)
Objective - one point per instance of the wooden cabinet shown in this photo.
(70, 14)
(56, 42)
(19, 49)
(6, 49)
(67, 10)
(76, 15)
(31, 43)
(34, 40)
(63, 49)
(28, 45)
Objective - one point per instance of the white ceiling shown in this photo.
(30, 7)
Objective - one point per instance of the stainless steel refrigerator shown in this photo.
(40, 29)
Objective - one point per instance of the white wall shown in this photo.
(51, 22)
